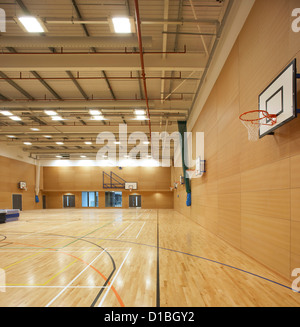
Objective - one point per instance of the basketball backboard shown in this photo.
(279, 98)
(130, 186)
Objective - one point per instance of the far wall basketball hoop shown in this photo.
(130, 186)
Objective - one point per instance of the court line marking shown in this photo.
(106, 280)
(124, 231)
(53, 286)
(41, 231)
(111, 283)
(140, 230)
(73, 280)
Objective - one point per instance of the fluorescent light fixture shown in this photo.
(11, 136)
(35, 129)
(58, 156)
(139, 117)
(146, 142)
(94, 112)
(57, 118)
(48, 136)
(97, 118)
(27, 143)
(60, 143)
(123, 25)
(82, 156)
(15, 118)
(139, 112)
(117, 142)
(6, 113)
(31, 24)
(88, 143)
(50, 112)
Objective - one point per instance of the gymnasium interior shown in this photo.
(80, 228)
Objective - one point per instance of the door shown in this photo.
(17, 201)
(135, 201)
(69, 201)
(44, 201)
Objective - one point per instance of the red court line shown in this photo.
(104, 277)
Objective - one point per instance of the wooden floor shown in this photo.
(131, 258)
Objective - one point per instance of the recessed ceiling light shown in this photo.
(50, 112)
(6, 113)
(139, 117)
(139, 112)
(48, 136)
(57, 118)
(123, 25)
(97, 118)
(94, 112)
(82, 156)
(15, 118)
(35, 129)
(32, 24)
(88, 143)
(58, 156)
(27, 143)
(146, 142)
(60, 143)
(11, 136)
(117, 142)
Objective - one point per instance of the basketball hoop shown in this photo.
(253, 120)
(130, 188)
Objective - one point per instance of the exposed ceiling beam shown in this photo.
(98, 62)
(16, 86)
(93, 48)
(47, 86)
(80, 89)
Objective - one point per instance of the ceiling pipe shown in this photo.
(139, 34)
(62, 52)
(74, 42)
(78, 77)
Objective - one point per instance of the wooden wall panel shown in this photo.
(91, 179)
(11, 173)
(295, 204)
(250, 194)
(267, 240)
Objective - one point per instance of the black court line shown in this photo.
(97, 245)
(209, 260)
(4, 243)
(110, 256)
(157, 265)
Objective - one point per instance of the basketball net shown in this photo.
(253, 120)
(253, 130)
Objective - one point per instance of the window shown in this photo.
(113, 199)
(89, 199)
